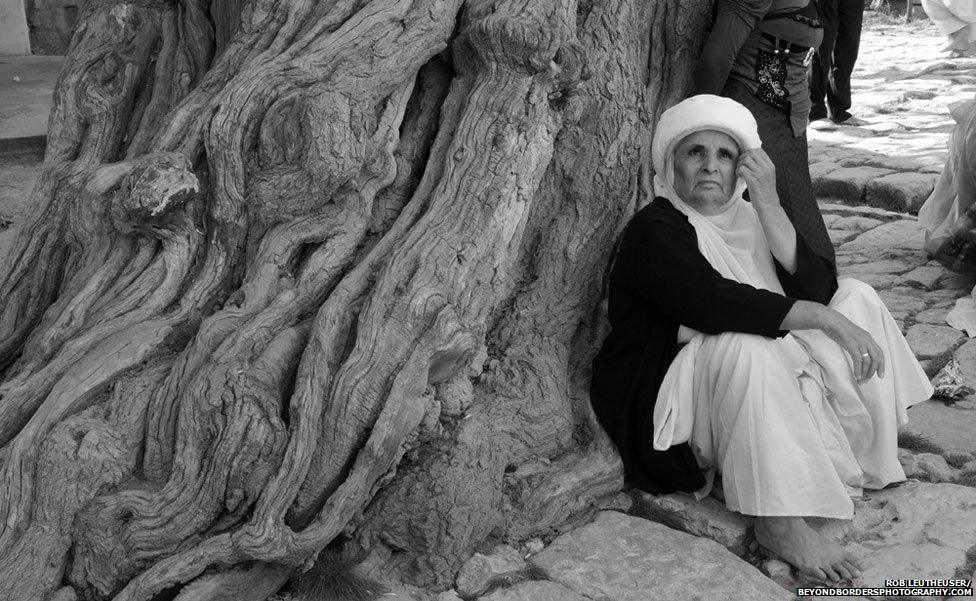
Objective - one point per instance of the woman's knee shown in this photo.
(855, 290)
(737, 344)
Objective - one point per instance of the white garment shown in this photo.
(963, 315)
(945, 206)
(783, 420)
(952, 15)
(953, 194)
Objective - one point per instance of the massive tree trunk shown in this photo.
(303, 269)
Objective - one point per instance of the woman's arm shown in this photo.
(803, 274)
(759, 173)
(734, 21)
(660, 264)
(865, 353)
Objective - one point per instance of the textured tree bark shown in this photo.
(300, 270)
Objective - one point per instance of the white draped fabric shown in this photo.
(953, 194)
(952, 15)
(784, 420)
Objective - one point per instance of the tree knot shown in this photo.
(155, 185)
(522, 44)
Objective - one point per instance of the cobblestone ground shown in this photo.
(872, 179)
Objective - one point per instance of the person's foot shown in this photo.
(959, 45)
(797, 543)
(851, 120)
(958, 40)
(817, 113)
(824, 124)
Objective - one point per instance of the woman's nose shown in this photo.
(710, 164)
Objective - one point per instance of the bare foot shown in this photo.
(800, 545)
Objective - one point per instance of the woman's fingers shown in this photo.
(877, 360)
(881, 364)
(869, 361)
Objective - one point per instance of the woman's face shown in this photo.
(704, 169)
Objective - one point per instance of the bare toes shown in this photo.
(842, 569)
(852, 567)
(831, 574)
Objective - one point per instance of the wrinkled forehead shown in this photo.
(707, 137)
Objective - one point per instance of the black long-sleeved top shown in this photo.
(659, 281)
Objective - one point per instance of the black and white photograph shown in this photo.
(487, 300)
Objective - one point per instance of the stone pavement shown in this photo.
(902, 85)
(870, 180)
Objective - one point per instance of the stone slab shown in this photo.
(901, 305)
(534, 590)
(709, 518)
(822, 168)
(924, 276)
(935, 316)
(952, 429)
(928, 341)
(966, 356)
(847, 183)
(896, 235)
(833, 208)
(900, 191)
(482, 572)
(838, 237)
(927, 467)
(627, 558)
(896, 266)
(856, 223)
(914, 530)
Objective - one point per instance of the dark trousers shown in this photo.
(830, 74)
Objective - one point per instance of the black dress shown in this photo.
(658, 281)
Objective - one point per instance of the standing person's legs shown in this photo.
(850, 16)
(790, 155)
(823, 61)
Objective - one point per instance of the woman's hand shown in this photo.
(759, 173)
(866, 356)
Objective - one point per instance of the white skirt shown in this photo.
(784, 421)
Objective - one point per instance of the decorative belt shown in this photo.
(781, 46)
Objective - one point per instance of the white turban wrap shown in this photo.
(699, 113)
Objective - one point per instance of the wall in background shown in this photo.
(51, 24)
(14, 39)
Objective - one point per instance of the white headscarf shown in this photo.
(732, 240)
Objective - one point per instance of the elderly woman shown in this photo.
(734, 350)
